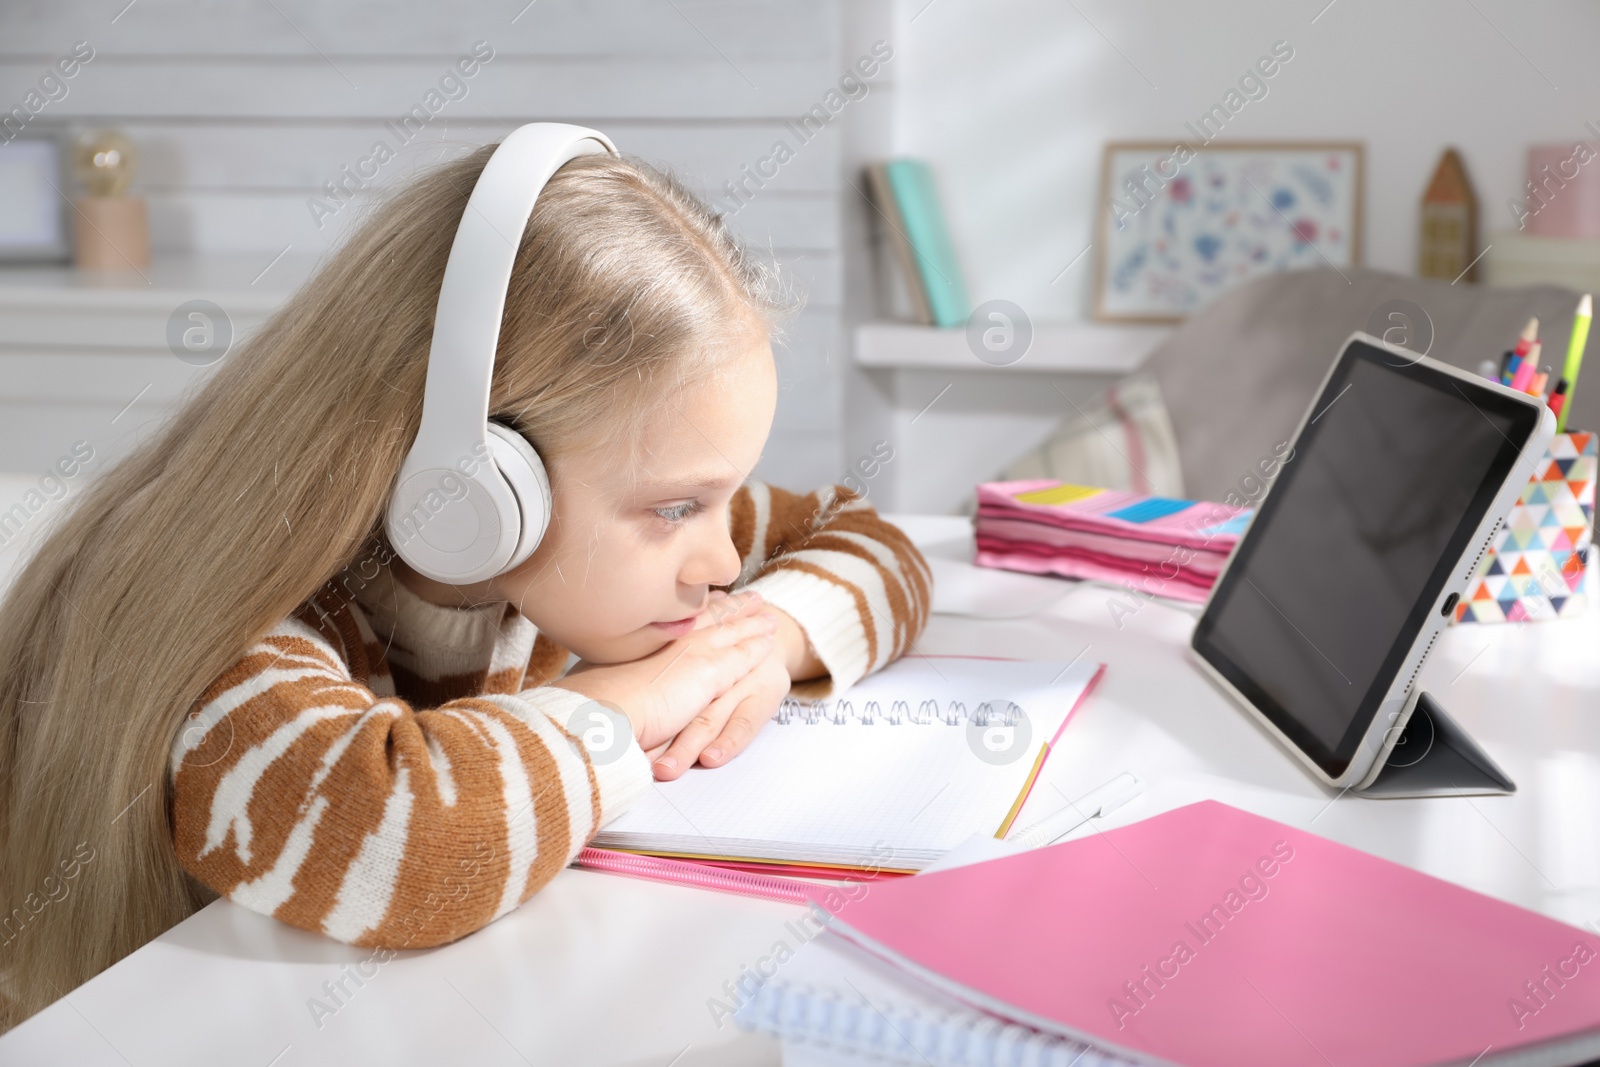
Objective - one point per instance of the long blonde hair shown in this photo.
(268, 483)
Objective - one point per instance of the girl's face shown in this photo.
(637, 541)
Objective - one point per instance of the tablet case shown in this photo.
(1434, 757)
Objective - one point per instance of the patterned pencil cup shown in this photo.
(1534, 568)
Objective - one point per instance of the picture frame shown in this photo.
(34, 223)
(1177, 225)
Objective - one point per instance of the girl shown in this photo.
(216, 678)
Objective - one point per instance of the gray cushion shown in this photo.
(1238, 374)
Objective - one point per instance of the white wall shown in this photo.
(1012, 101)
(243, 110)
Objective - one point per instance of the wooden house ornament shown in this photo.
(1448, 247)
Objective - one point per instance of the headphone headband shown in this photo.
(472, 500)
(472, 297)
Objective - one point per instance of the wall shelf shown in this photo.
(1529, 259)
(1079, 347)
(86, 354)
(954, 420)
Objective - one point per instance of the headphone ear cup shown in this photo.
(523, 470)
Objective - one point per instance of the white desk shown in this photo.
(605, 970)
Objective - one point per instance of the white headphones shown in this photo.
(472, 499)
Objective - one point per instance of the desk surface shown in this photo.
(606, 970)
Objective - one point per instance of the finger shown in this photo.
(717, 605)
(736, 630)
(727, 607)
(740, 729)
(732, 665)
(691, 682)
(694, 737)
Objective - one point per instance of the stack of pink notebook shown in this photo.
(1211, 937)
(1165, 547)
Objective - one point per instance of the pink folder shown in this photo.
(1210, 936)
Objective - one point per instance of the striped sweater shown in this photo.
(392, 773)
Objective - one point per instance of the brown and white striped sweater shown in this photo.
(392, 773)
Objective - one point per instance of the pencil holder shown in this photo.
(1534, 567)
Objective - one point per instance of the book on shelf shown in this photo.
(913, 224)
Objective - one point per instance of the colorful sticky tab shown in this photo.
(1150, 509)
(1059, 494)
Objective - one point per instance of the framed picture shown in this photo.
(33, 213)
(1179, 225)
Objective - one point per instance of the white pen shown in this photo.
(1057, 824)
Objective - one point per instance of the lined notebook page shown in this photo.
(835, 997)
(842, 782)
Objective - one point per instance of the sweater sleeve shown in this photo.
(853, 582)
(299, 793)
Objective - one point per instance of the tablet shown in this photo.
(1399, 476)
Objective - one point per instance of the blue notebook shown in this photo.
(911, 181)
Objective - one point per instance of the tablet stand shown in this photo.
(1434, 757)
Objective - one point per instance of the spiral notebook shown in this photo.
(835, 1005)
(887, 776)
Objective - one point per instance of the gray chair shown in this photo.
(1237, 375)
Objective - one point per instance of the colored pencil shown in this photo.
(1558, 400)
(1527, 368)
(1575, 346)
(1530, 333)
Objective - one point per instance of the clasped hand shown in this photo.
(704, 695)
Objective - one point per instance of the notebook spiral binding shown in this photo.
(953, 713)
(891, 1033)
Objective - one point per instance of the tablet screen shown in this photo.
(1351, 549)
